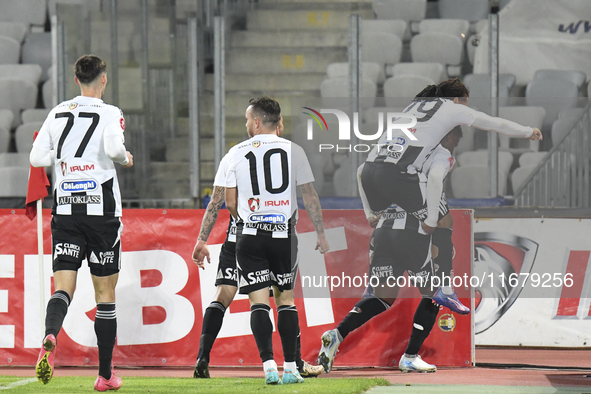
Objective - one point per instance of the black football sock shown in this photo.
(299, 361)
(423, 322)
(289, 328)
(442, 239)
(212, 323)
(361, 313)
(105, 327)
(57, 308)
(262, 329)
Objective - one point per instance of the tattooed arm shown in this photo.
(312, 204)
(201, 251)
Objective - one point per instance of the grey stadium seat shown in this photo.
(34, 115)
(6, 118)
(16, 30)
(480, 158)
(474, 182)
(531, 158)
(4, 140)
(23, 136)
(433, 71)
(560, 128)
(32, 12)
(470, 10)
(14, 160)
(14, 181)
(398, 27)
(404, 86)
(27, 72)
(17, 95)
(408, 10)
(442, 48)
(47, 93)
(457, 27)
(552, 94)
(527, 116)
(520, 174)
(381, 48)
(479, 87)
(37, 50)
(371, 71)
(574, 76)
(339, 87)
(10, 50)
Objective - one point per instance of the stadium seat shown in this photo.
(519, 176)
(433, 71)
(470, 10)
(16, 30)
(339, 87)
(23, 136)
(372, 71)
(479, 84)
(571, 113)
(14, 160)
(531, 158)
(27, 72)
(31, 12)
(474, 40)
(14, 181)
(456, 27)
(442, 48)
(6, 117)
(474, 182)
(404, 86)
(47, 94)
(527, 116)
(552, 94)
(10, 50)
(371, 114)
(574, 76)
(4, 140)
(381, 48)
(398, 27)
(17, 95)
(560, 128)
(37, 50)
(480, 158)
(407, 10)
(34, 115)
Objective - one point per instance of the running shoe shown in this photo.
(417, 365)
(450, 301)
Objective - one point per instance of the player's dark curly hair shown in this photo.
(88, 68)
(449, 88)
(267, 110)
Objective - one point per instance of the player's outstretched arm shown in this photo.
(201, 251)
(312, 204)
(504, 126)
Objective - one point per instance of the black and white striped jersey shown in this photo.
(85, 177)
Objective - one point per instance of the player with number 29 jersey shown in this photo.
(85, 177)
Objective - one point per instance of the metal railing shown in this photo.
(561, 179)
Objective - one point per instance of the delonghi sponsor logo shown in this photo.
(79, 186)
(268, 218)
(79, 200)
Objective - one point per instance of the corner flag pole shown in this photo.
(41, 270)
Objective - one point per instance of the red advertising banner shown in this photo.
(162, 295)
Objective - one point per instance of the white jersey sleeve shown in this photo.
(437, 167)
(220, 175)
(301, 166)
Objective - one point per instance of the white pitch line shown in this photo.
(18, 383)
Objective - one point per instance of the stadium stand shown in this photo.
(433, 71)
(381, 48)
(37, 50)
(408, 10)
(552, 94)
(23, 136)
(14, 160)
(14, 181)
(531, 158)
(531, 116)
(574, 76)
(26, 72)
(10, 50)
(519, 176)
(4, 140)
(405, 87)
(34, 115)
(371, 71)
(480, 158)
(15, 30)
(398, 27)
(457, 27)
(339, 87)
(442, 48)
(470, 10)
(16, 95)
(479, 86)
(474, 182)
(30, 12)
